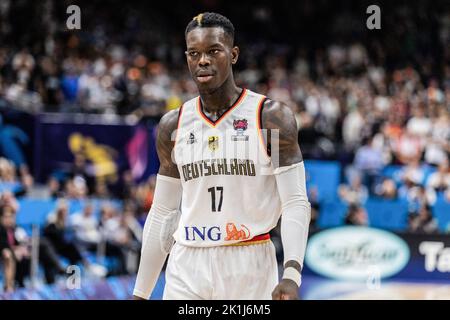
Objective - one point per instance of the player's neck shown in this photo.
(221, 99)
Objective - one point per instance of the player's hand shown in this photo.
(285, 290)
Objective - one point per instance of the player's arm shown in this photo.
(163, 216)
(289, 172)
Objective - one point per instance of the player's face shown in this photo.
(210, 55)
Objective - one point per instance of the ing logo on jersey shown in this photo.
(214, 233)
(213, 143)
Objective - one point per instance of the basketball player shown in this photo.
(214, 196)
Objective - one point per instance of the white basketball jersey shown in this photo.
(229, 190)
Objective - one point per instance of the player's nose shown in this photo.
(204, 60)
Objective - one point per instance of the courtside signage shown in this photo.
(356, 253)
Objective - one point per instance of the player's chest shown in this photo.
(234, 137)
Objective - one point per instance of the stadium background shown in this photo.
(80, 108)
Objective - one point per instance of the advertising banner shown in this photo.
(360, 253)
(109, 147)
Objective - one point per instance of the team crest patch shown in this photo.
(240, 125)
(213, 143)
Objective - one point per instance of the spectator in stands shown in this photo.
(7, 171)
(70, 192)
(123, 235)
(75, 188)
(408, 148)
(355, 193)
(419, 125)
(129, 237)
(27, 182)
(86, 227)
(113, 237)
(438, 144)
(80, 170)
(54, 188)
(69, 83)
(440, 180)
(356, 216)
(353, 126)
(383, 143)
(7, 199)
(50, 85)
(61, 237)
(314, 143)
(23, 64)
(15, 239)
(128, 187)
(419, 197)
(369, 162)
(413, 174)
(423, 222)
(7, 241)
(144, 198)
(130, 225)
(17, 244)
(387, 189)
(101, 190)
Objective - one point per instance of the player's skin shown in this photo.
(210, 56)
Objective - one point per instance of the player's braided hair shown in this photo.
(211, 19)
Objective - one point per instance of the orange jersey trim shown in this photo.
(180, 113)
(214, 124)
(259, 126)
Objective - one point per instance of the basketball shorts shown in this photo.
(235, 272)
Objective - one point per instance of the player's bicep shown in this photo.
(280, 122)
(165, 142)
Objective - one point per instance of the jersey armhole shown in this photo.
(260, 128)
(180, 112)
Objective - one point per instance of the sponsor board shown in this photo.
(356, 253)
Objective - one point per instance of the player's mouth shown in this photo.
(204, 77)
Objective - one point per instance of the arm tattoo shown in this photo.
(277, 116)
(165, 144)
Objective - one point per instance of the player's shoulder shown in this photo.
(272, 106)
(169, 120)
(276, 114)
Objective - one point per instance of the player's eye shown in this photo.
(214, 51)
(193, 54)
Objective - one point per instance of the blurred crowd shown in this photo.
(100, 230)
(367, 99)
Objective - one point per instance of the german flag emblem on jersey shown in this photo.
(213, 143)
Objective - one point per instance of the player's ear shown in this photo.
(234, 55)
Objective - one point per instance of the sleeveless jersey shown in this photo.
(229, 190)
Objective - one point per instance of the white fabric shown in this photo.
(296, 211)
(419, 126)
(216, 198)
(157, 237)
(86, 227)
(292, 274)
(221, 273)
